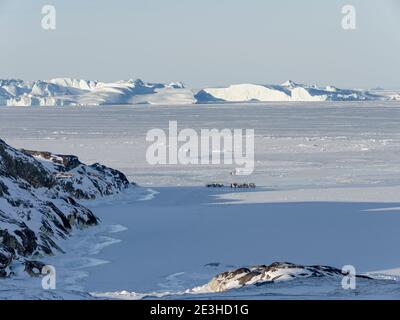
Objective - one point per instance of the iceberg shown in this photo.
(78, 92)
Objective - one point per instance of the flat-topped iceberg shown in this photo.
(286, 92)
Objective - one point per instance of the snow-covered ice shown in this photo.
(73, 92)
(328, 180)
(288, 91)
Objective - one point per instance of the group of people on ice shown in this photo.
(233, 185)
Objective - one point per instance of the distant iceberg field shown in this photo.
(77, 92)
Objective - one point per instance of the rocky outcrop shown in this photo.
(257, 275)
(38, 202)
(80, 180)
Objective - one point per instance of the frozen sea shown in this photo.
(328, 185)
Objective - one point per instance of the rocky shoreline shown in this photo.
(39, 194)
(275, 272)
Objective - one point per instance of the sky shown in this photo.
(204, 42)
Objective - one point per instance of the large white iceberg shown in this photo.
(66, 91)
(286, 92)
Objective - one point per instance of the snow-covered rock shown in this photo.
(286, 92)
(38, 202)
(278, 271)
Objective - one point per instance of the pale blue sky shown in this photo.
(207, 42)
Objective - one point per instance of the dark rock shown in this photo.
(40, 204)
(34, 268)
(260, 275)
(22, 166)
